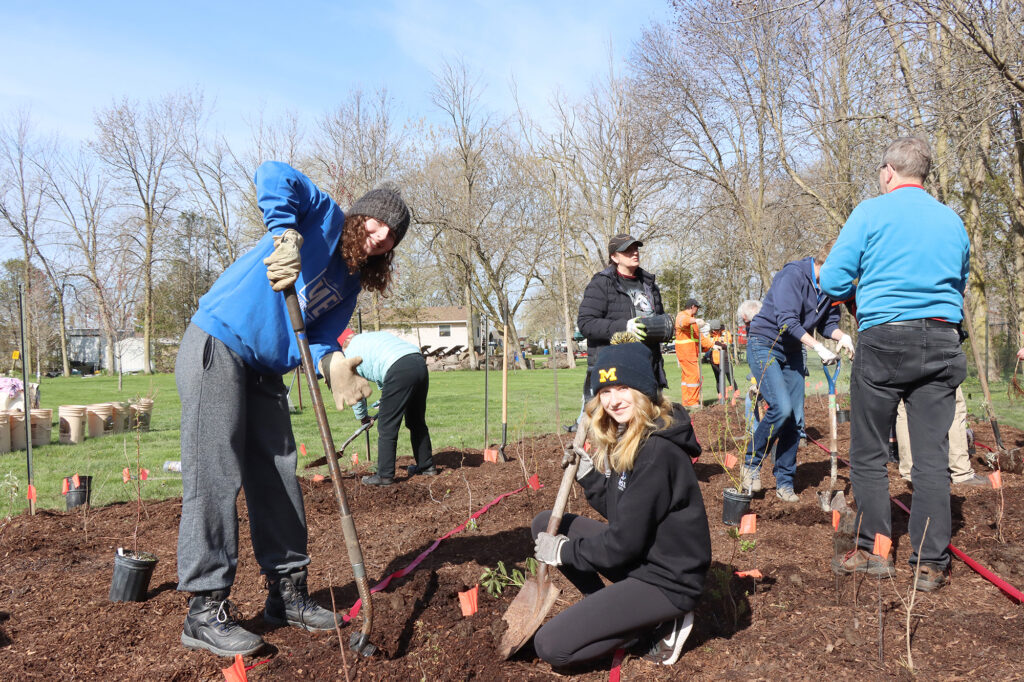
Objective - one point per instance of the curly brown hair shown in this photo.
(374, 272)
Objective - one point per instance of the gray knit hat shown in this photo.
(386, 205)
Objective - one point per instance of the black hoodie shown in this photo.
(657, 527)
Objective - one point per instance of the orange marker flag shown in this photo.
(302, 449)
(235, 673)
(468, 600)
(752, 573)
(748, 524)
(355, 459)
(490, 455)
(996, 479)
(126, 475)
(31, 493)
(318, 477)
(77, 481)
(882, 545)
(64, 488)
(835, 520)
(534, 482)
(730, 460)
(143, 474)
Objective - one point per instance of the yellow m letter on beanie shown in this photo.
(607, 375)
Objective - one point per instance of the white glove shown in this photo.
(845, 343)
(827, 356)
(635, 326)
(284, 264)
(548, 548)
(347, 387)
(705, 328)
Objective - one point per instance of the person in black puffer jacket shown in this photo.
(614, 300)
(655, 547)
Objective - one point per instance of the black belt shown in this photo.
(925, 323)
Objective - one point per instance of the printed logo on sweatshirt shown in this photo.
(318, 296)
(623, 479)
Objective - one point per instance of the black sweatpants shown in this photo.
(607, 617)
(404, 394)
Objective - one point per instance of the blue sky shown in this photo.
(65, 60)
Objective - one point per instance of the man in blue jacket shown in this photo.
(794, 307)
(235, 427)
(910, 257)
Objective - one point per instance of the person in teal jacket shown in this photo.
(400, 372)
(235, 428)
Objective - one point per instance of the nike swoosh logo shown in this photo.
(670, 641)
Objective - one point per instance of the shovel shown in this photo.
(825, 499)
(504, 396)
(359, 641)
(363, 428)
(531, 606)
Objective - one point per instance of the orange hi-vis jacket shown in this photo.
(723, 337)
(690, 343)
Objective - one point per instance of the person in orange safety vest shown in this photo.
(690, 343)
(720, 361)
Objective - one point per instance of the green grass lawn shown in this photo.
(455, 413)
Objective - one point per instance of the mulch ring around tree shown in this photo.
(796, 622)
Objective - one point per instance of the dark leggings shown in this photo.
(404, 395)
(607, 617)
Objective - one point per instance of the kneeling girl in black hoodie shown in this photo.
(655, 548)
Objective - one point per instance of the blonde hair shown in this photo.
(618, 452)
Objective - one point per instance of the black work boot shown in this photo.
(211, 625)
(289, 603)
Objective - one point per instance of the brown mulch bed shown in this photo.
(798, 622)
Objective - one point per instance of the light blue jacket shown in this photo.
(250, 318)
(910, 254)
(379, 350)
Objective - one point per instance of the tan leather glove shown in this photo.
(284, 263)
(347, 387)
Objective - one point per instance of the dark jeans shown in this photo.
(780, 379)
(724, 376)
(404, 394)
(607, 617)
(922, 366)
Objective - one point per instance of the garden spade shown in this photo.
(359, 641)
(528, 610)
(825, 499)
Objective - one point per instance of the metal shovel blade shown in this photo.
(527, 612)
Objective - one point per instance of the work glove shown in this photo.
(586, 462)
(635, 326)
(347, 387)
(704, 327)
(284, 263)
(548, 548)
(366, 419)
(827, 356)
(845, 343)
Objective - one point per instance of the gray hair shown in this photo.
(911, 157)
(747, 310)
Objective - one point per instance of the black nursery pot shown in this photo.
(842, 416)
(132, 571)
(82, 494)
(734, 505)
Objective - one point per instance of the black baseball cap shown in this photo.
(690, 302)
(621, 242)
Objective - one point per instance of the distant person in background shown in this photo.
(618, 299)
(959, 448)
(691, 340)
(721, 363)
(400, 372)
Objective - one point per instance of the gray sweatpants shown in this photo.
(235, 433)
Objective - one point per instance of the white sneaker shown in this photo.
(666, 649)
(787, 495)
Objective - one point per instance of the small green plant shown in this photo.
(745, 544)
(497, 579)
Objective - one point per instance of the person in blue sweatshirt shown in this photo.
(655, 548)
(235, 427)
(909, 256)
(794, 307)
(400, 372)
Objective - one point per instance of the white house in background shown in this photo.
(87, 347)
(443, 326)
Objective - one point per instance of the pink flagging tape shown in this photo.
(1008, 589)
(401, 573)
(613, 676)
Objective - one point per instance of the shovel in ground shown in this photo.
(359, 641)
(825, 499)
(528, 610)
(363, 428)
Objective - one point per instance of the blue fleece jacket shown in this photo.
(910, 254)
(379, 350)
(794, 302)
(250, 318)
